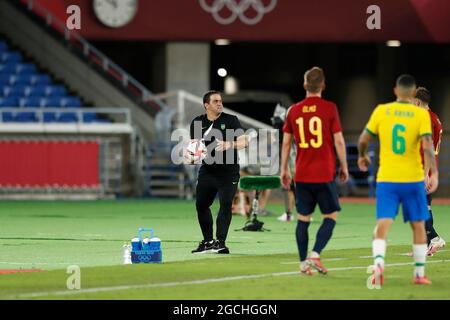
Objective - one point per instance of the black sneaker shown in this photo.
(204, 247)
(220, 247)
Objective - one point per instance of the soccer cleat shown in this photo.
(316, 264)
(421, 280)
(204, 247)
(285, 217)
(306, 269)
(378, 276)
(220, 247)
(436, 244)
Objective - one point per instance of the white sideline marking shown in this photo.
(194, 282)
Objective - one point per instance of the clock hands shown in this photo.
(113, 3)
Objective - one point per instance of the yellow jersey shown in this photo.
(399, 127)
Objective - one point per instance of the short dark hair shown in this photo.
(207, 95)
(406, 81)
(423, 94)
(314, 78)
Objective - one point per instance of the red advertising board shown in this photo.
(266, 20)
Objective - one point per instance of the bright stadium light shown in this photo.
(222, 72)
(393, 43)
(222, 42)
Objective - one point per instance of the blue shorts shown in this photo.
(308, 195)
(412, 196)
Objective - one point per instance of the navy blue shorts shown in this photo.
(308, 195)
(412, 196)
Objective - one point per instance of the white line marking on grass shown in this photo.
(193, 282)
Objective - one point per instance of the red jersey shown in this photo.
(436, 127)
(313, 122)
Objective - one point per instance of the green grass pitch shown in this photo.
(262, 265)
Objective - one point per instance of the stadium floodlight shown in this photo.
(222, 42)
(393, 43)
(222, 72)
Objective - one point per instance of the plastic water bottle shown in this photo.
(126, 254)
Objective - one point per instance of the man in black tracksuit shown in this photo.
(219, 173)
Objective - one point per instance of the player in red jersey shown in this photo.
(423, 98)
(315, 125)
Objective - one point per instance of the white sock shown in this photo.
(303, 265)
(379, 252)
(315, 255)
(420, 256)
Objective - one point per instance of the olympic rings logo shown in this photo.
(239, 9)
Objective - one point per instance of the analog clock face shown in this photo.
(115, 13)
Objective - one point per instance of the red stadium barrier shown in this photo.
(49, 164)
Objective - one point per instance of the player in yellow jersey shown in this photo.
(401, 128)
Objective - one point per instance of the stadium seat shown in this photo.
(9, 102)
(12, 91)
(3, 46)
(5, 79)
(10, 57)
(31, 79)
(50, 117)
(7, 117)
(48, 91)
(25, 117)
(68, 117)
(32, 102)
(52, 102)
(70, 102)
(89, 117)
(17, 68)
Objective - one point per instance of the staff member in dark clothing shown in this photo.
(219, 173)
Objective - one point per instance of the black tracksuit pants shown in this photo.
(210, 183)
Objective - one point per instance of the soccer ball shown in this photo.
(195, 152)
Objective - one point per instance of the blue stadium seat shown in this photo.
(41, 79)
(89, 117)
(37, 91)
(32, 102)
(10, 57)
(9, 102)
(14, 91)
(52, 102)
(32, 79)
(17, 68)
(48, 91)
(25, 117)
(5, 79)
(50, 117)
(70, 102)
(68, 117)
(7, 117)
(3, 46)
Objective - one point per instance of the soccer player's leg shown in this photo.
(415, 211)
(328, 200)
(206, 192)
(434, 241)
(305, 203)
(388, 202)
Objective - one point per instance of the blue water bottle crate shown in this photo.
(146, 250)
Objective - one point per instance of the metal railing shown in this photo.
(115, 72)
(189, 105)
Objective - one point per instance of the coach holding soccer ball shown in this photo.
(219, 173)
